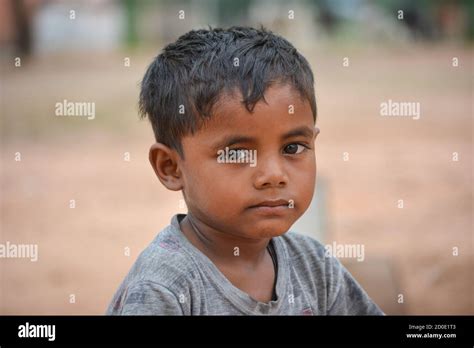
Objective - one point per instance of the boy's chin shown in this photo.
(270, 229)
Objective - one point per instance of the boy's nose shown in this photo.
(270, 173)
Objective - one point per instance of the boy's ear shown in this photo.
(316, 132)
(164, 161)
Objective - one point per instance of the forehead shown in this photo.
(282, 108)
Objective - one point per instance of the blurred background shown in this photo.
(83, 190)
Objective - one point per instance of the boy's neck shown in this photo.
(245, 262)
(222, 247)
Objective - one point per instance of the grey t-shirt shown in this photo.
(172, 277)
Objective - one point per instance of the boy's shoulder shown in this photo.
(299, 245)
(164, 261)
(162, 273)
(308, 256)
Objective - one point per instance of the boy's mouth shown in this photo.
(271, 203)
(271, 207)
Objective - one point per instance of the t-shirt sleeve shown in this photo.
(146, 298)
(345, 295)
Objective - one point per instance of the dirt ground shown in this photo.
(120, 204)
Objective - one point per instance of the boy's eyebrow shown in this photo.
(303, 130)
(237, 139)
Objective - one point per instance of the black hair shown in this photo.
(184, 82)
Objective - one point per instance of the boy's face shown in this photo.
(224, 195)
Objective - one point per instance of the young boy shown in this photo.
(233, 112)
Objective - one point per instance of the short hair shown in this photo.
(183, 84)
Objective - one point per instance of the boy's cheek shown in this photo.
(215, 191)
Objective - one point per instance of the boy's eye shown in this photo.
(294, 148)
(241, 154)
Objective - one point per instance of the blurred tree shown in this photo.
(22, 27)
(231, 11)
(131, 36)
